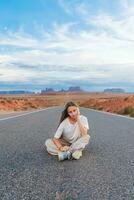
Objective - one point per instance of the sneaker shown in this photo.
(77, 154)
(64, 155)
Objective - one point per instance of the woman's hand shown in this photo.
(78, 114)
(64, 148)
(78, 111)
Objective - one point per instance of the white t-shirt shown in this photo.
(70, 132)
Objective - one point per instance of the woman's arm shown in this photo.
(59, 145)
(83, 129)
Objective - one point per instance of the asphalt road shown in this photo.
(28, 172)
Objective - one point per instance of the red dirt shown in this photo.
(113, 104)
(101, 101)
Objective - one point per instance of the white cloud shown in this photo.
(6, 58)
(66, 5)
(112, 42)
(105, 51)
(18, 39)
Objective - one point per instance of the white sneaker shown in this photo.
(77, 154)
(64, 155)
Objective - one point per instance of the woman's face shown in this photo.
(72, 111)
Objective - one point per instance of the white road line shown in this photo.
(6, 118)
(117, 115)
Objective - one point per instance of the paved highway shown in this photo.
(28, 172)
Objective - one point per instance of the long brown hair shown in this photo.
(64, 113)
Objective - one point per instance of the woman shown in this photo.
(71, 136)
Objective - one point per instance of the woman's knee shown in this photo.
(48, 142)
(86, 137)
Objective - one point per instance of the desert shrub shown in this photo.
(2, 101)
(100, 108)
(95, 107)
(126, 98)
(121, 112)
(33, 106)
(128, 110)
(132, 114)
(9, 100)
(15, 109)
(24, 108)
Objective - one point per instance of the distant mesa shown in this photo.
(62, 90)
(17, 92)
(51, 90)
(70, 89)
(114, 90)
(75, 89)
(47, 90)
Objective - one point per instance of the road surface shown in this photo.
(28, 172)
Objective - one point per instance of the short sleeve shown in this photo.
(59, 131)
(84, 122)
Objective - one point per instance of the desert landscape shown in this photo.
(115, 103)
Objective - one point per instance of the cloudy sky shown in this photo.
(63, 43)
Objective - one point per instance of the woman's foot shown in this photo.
(77, 154)
(64, 155)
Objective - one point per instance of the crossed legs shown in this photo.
(79, 144)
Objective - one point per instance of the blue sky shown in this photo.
(63, 43)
